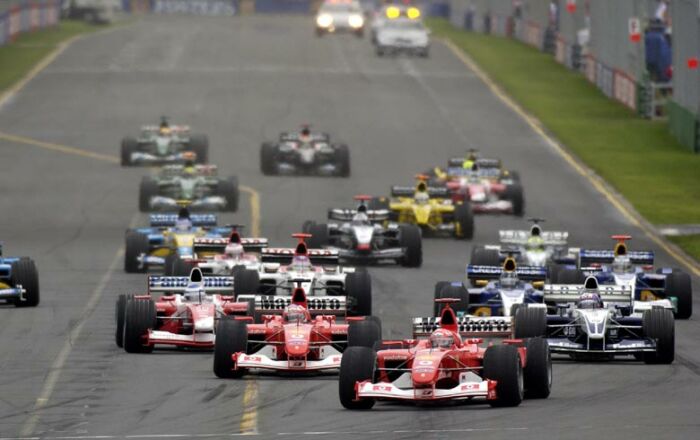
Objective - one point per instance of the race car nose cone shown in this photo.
(363, 247)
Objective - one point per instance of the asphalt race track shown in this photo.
(241, 81)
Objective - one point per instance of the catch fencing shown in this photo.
(17, 17)
(609, 42)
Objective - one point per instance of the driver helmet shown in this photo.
(301, 263)
(234, 250)
(183, 224)
(422, 197)
(295, 313)
(468, 164)
(189, 171)
(164, 130)
(361, 217)
(442, 338)
(508, 279)
(194, 292)
(305, 132)
(622, 264)
(590, 300)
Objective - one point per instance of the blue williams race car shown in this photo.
(501, 289)
(634, 269)
(168, 237)
(19, 281)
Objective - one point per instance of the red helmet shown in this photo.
(295, 313)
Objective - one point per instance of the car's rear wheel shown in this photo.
(24, 273)
(678, 284)
(451, 290)
(136, 245)
(364, 333)
(129, 145)
(514, 194)
(245, 281)
(538, 369)
(147, 190)
(464, 218)
(268, 165)
(529, 322)
(119, 313)
(319, 235)
(199, 143)
(358, 288)
(342, 159)
(410, 238)
(228, 189)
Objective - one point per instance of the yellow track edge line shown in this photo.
(615, 199)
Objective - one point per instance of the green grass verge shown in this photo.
(19, 57)
(638, 157)
(689, 243)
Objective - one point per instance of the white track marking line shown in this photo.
(60, 360)
(596, 181)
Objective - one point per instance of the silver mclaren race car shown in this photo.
(164, 144)
(359, 236)
(305, 153)
(403, 36)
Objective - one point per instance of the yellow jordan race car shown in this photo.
(429, 208)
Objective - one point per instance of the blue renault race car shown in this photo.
(19, 281)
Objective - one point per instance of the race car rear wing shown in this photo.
(570, 293)
(468, 326)
(346, 215)
(296, 137)
(525, 273)
(550, 238)
(317, 257)
(172, 285)
(218, 245)
(588, 257)
(169, 220)
(409, 191)
(316, 305)
(480, 162)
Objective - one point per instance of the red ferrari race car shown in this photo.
(185, 316)
(297, 340)
(450, 364)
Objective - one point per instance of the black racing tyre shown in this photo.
(364, 333)
(147, 190)
(228, 189)
(377, 321)
(357, 364)
(129, 145)
(24, 273)
(571, 276)
(538, 369)
(378, 204)
(358, 288)
(658, 324)
(485, 257)
(410, 238)
(529, 322)
(182, 268)
(119, 312)
(502, 364)
(464, 218)
(306, 227)
(136, 245)
(451, 290)
(319, 236)
(245, 281)
(553, 271)
(268, 151)
(342, 160)
(169, 266)
(199, 143)
(514, 175)
(424, 53)
(437, 295)
(514, 194)
(231, 337)
(139, 317)
(678, 284)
